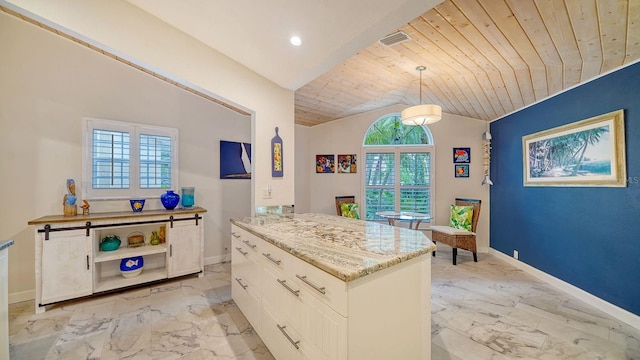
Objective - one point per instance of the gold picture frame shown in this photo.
(588, 152)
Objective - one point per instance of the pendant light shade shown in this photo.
(422, 114)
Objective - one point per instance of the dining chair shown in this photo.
(461, 232)
(343, 200)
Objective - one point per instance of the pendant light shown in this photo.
(420, 114)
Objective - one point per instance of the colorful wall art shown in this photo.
(325, 164)
(462, 170)
(276, 156)
(590, 152)
(462, 155)
(347, 164)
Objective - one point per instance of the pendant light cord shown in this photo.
(420, 69)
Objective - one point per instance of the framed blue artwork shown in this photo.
(461, 155)
(235, 160)
(461, 170)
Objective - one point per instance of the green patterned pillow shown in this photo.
(350, 210)
(461, 217)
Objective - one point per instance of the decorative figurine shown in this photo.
(162, 234)
(155, 240)
(486, 157)
(85, 207)
(69, 201)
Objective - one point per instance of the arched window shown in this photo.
(398, 168)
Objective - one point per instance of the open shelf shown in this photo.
(119, 281)
(125, 252)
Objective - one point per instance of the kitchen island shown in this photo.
(318, 286)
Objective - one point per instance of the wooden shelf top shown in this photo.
(53, 219)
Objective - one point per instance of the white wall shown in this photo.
(345, 136)
(303, 176)
(135, 35)
(47, 84)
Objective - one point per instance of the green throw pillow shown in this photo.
(350, 210)
(461, 217)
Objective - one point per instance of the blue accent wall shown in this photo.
(586, 236)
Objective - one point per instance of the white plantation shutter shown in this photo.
(155, 162)
(415, 192)
(379, 183)
(110, 154)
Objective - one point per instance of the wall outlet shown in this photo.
(515, 254)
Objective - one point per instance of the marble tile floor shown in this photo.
(484, 310)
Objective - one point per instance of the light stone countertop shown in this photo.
(5, 244)
(345, 248)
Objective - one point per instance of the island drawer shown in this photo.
(247, 297)
(244, 237)
(245, 263)
(321, 285)
(284, 341)
(276, 257)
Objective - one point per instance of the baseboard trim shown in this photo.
(619, 313)
(21, 296)
(217, 259)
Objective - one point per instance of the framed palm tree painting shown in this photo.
(589, 152)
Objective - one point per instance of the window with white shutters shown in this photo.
(125, 160)
(398, 168)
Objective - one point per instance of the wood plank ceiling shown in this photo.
(484, 58)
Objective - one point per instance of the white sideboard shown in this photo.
(4, 302)
(70, 264)
(303, 312)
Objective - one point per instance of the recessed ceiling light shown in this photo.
(295, 41)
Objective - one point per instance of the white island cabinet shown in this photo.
(71, 264)
(325, 287)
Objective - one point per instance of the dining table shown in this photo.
(411, 217)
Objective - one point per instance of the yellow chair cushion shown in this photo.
(350, 210)
(461, 217)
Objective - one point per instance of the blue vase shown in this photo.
(170, 200)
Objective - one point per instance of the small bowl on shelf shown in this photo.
(131, 267)
(137, 204)
(132, 273)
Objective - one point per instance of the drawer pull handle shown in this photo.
(235, 235)
(294, 343)
(249, 244)
(321, 290)
(268, 256)
(241, 284)
(284, 283)
(241, 252)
